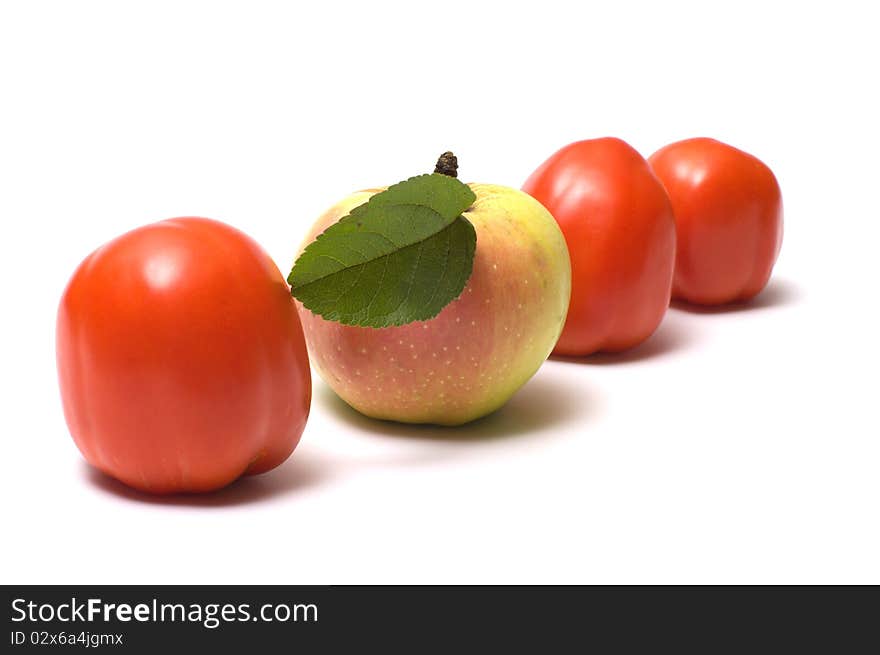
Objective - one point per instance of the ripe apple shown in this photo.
(473, 356)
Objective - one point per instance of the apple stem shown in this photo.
(447, 164)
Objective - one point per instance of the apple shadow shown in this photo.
(778, 293)
(673, 334)
(299, 472)
(542, 404)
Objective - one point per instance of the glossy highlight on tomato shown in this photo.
(728, 214)
(181, 358)
(618, 225)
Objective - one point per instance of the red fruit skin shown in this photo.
(729, 220)
(181, 358)
(618, 225)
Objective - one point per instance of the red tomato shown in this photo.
(181, 358)
(728, 214)
(618, 225)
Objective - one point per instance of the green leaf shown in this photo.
(400, 257)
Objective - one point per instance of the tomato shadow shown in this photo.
(302, 471)
(544, 403)
(778, 293)
(673, 335)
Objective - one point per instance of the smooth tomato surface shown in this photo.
(181, 359)
(728, 213)
(618, 225)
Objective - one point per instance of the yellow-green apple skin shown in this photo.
(473, 356)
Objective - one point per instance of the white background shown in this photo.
(733, 447)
